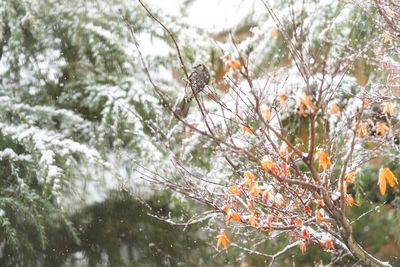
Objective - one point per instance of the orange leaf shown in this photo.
(318, 216)
(298, 223)
(226, 208)
(274, 33)
(222, 239)
(246, 129)
(254, 192)
(268, 165)
(323, 159)
(305, 99)
(350, 176)
(282, 101)
(335, 109)
(233, 215)
(349, 200)
(382, 181)
(365, 101)
(381, 128)
(329, 244)
(235, 65)
(386, 175)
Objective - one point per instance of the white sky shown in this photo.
(211, 15)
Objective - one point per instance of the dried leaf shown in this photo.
(267, 113)
(361, 129)
(247, 129)
(318, 216)
(279, 200)
(225, 208)
(268, 165)
(382, 181)
(303, 247)
(388, 108)
(248, 175)
(253, 221)
(222, 239)
(305, 99)
(283, 150)
(349, 200)
(282, 101)
(323, 160)
(350, 176)
(234, 190)
(381, 128)
(386, 175)
(233, 215)
(254, 192)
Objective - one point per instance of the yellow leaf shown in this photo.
(253, 221)
(323, 160)
(268, 165)
(222, 239)
(388, 108)
(266, 112)
(361, 129)
(350, 176)
(234, 190)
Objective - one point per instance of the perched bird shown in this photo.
(198, 79)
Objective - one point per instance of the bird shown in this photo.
(198, 79)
